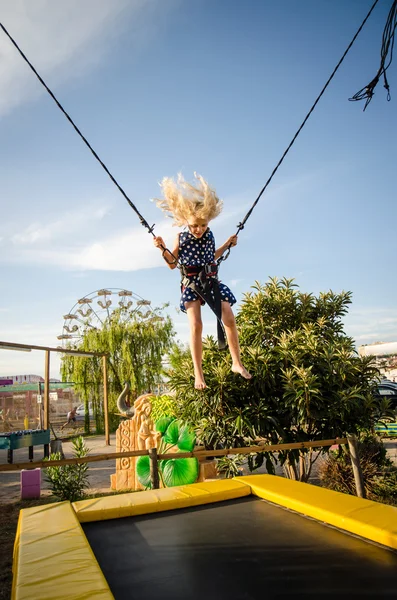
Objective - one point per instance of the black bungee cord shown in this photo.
(69, 118)
(387, 47)
(241, 225)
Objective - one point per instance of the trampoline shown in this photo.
(234, 539)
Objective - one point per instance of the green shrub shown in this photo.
(163, 406)
(308, 382)
(68, 482)
(380, 476)
(384, 487)
(231, 466)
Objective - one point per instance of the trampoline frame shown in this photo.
(52, 556)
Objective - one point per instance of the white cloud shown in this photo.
(368, 337)
(24, 334)
(19, 363)
(63, 40)
(70, 222)
(234, 282)
(51, 35)
(129, 251)
(371, 324)
(182, 327)
(69, 243)
(24, 363)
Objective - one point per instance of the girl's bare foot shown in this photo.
(199, 382)
(241, 370)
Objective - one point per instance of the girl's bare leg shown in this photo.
(232, 338)
(193, 310)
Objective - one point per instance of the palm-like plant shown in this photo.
(308, 381)
(175, 437)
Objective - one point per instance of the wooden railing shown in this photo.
(195, 454)
(154, 457)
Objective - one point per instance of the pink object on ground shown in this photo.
(30, 483)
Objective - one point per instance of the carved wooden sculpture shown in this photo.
(137, 433)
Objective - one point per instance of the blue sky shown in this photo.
(214, 86)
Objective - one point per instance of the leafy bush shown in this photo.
(231, 466)
(308, 381)
(163, 406)
(68, 482)
(380, 476)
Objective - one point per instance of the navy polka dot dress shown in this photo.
(197, 252)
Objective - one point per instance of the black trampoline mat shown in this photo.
(243, 549)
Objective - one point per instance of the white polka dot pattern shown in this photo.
(197, 252)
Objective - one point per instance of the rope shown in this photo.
(241, 225)
(367, 92)
(104, 167)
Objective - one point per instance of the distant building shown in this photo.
(20, 400)
(20, 379)
(386, 357)
(12, 379)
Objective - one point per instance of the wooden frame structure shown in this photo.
(48, 350)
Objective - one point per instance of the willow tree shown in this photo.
(135, 342)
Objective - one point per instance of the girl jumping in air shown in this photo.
(194, 206)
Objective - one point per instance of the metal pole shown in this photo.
(105, 400)
(47, 390)
(357, 472)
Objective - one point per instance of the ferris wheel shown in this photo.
(93, 310)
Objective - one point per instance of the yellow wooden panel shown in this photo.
(53, 559)
(371, 520)
(141, 503)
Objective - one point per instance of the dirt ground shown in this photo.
(99, 472)
(11, 503)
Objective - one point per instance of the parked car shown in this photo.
(388, 389)
(80, 412)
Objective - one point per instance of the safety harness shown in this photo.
(205, 283)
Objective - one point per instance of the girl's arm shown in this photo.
(232, 241)
(170, 260)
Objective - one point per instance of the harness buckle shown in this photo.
(211, 270)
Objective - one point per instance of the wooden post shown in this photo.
(357, 472)
(47, 390)
(154, 469)
(105, 399)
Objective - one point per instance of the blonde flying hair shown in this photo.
(183, 201)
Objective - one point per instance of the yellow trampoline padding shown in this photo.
(370, 520)
(53, 559)
(142, 503)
